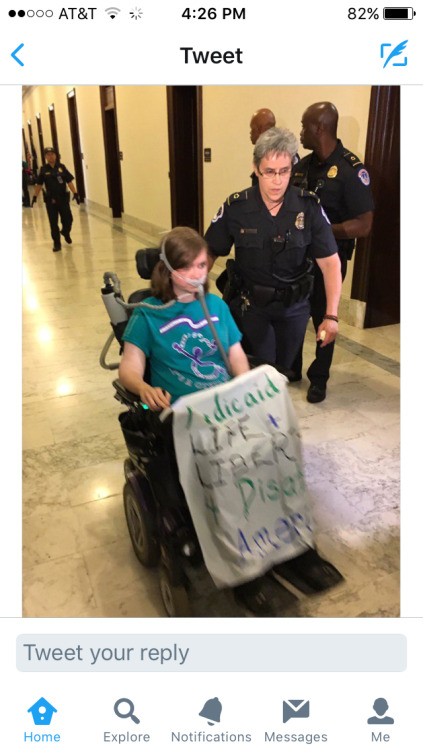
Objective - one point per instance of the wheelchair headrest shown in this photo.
(146, 259)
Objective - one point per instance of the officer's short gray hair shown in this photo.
(275, 140)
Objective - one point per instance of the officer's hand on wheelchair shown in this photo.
(76, 198)
(155, 398)
(34, 200)
(326, 332)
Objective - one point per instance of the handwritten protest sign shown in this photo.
(239, 457)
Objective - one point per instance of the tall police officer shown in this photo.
(54, 176)
(341, 182)
(277, 230)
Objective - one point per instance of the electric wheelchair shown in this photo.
(159, 522)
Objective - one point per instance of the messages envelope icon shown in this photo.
(295, 710)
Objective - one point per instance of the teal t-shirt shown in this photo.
(177, 340)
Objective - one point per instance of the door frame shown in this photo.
(76, 144)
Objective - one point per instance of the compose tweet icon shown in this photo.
(295, 710)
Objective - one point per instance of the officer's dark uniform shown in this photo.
(342, 184)
(272, 260)
(26, 201)
(56, 198)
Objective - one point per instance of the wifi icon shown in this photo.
(112, 12)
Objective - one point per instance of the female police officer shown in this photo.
(277, 231)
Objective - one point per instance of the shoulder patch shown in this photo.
(352, 159)
(219, 213)
(236, 197)
(309, 194)
(364, 177)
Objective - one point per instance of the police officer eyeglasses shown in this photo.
(270, 174)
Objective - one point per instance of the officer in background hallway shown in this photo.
(26, 201)
(262, 120)
(276, 228)
(340, 180)
(55, 177)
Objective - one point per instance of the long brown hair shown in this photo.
(181, 245)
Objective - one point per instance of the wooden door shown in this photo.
(185, 155)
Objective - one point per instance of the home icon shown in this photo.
(42, 712)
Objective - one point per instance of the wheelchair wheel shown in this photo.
(175, 597)
(128, 467)
(141, 529)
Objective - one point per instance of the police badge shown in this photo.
(333, 171)
(299, 221)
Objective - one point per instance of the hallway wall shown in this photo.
(143, 139)
(92, 146)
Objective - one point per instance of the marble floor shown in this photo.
(77, 557)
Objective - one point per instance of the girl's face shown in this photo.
(197, 270)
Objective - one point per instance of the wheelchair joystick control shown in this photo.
(117, 312)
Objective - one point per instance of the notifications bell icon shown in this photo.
(211, 711)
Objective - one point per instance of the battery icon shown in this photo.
(398, 14)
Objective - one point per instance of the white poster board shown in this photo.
(239, 456)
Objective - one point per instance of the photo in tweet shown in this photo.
(279, 495)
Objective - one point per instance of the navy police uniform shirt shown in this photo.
(341, 182)
(54, 179)
(270, 250)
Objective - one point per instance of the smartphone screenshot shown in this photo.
(205, 516)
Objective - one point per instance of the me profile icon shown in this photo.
(42, 712)
(380, 707)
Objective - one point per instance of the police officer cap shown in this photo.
(50, 150)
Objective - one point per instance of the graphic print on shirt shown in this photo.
(197, 348)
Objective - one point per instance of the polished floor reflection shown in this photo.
(77, 557)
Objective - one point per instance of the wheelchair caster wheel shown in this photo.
(175, 597)
(141, 529)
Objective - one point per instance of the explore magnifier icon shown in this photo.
(128, 714)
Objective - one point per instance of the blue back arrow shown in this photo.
(13, 54)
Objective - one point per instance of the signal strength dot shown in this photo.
(112, 12)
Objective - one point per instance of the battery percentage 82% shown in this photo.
(363, 14)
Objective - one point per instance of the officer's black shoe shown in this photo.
(250, 596)
(67, 237)
(56, 248)
(309, 573)
(316, 393)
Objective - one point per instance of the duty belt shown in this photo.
(296, 290)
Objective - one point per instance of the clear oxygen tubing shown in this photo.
(199, 289)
